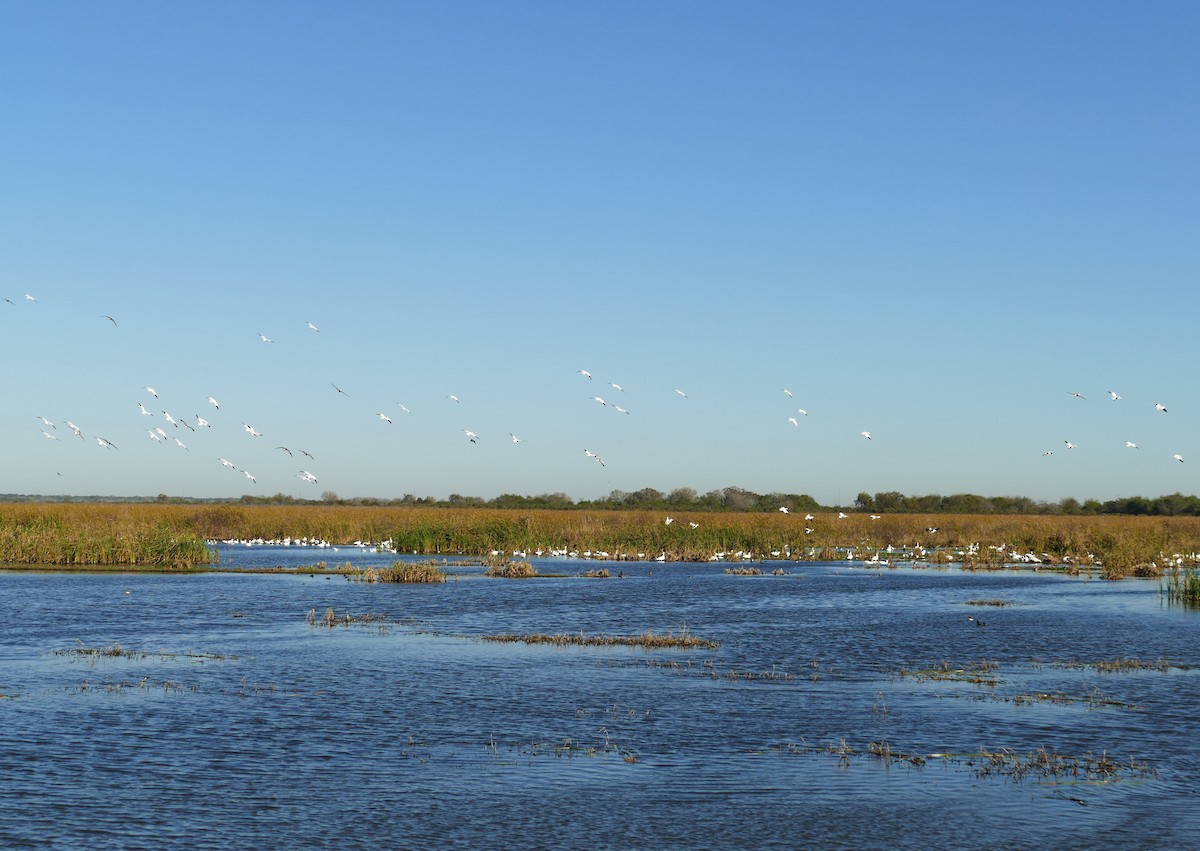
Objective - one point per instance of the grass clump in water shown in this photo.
(648, 639)
(404, 572)
(512, 570)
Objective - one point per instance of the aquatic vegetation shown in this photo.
(116, 651)
(997, 603)
(978, 673)
(1183, 585)
(330, 619)
(403, 572)
(648, 639)
(512, 570)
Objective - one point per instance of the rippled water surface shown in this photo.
(229, 720)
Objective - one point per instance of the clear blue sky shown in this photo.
(932, 221)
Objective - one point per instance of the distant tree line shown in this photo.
(725, 499)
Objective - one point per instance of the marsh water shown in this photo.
(844, 707)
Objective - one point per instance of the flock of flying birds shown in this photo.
(163, 427)
(1113, 396)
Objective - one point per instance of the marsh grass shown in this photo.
(1183, 586)
(997, 603)
(512, 570)
(423, 572)
(330, 619)
(116, 651)
(1119, 665)
(978, 673)
(172, 536)
(648, 640)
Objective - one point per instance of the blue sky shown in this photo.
(932, 221)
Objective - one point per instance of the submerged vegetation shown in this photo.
(648, 639)
(167, 536)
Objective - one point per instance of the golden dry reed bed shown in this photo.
(172, 536)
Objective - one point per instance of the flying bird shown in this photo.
(1159, 406)
(265, 339)
(598, 399)
(225, 463)
(452, 398)
(145, 413)
(48, 435)
(783, 509)
(202, 423)
(170, 419)
(681, 393)
(793, 421)
(471, 436)
(1130, 444)
(787, 392)
(152, 392)
(1178, 458)
(406, 410)
(866, 434)
(28, 297)
(385, 418)
(1047, 452)
(214, 403)
(616, 386)
(1078, 395)
(340, 390)
(1114, 395)
(46, 422)
(110, 319)
(591, 454)
(1070, 445)
(307, 455)
(802, 411)
(307, 476)
(250, 431)
(250, 477)
(75, 429)
(181, 444)
(107, 444)
(313, 327)
(515, 439)
(584, 373)
(619, 409)
(288, 451)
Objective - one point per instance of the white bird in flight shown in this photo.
(307, 476)
(75, 429)
(794, 421)
(202, 423)
(584, 373)
(214, 403)
(265, 338)
(1159, 406)
(1070, 445)
(1130, 444)
(783, 509)
(453, 398)
(681, 393)
(28, 297)
(471, 436)
(598, 399)
(48, 435)
(619, 409)
(385, 418)
(1047, 452)
(787, 392)
(616, 386)
(107, 444)
(145, 413)
(250, 477)
(46, 422)
(1178, 458)
(181, 444)
(515, 439)
(1078, 395)
(170, 419)
(152, 392)
(406, 410)
(251, 431)
(866, 434)
(313, 327)
(802, 411)
(225, 462)
(1114, 395)
(591, 454)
